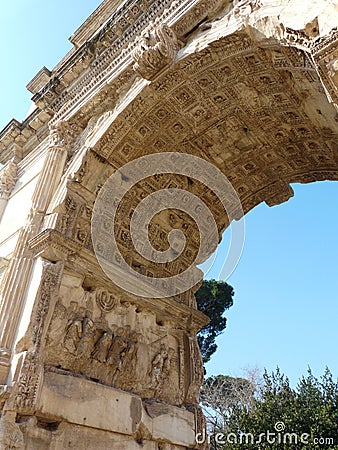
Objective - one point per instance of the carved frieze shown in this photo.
(105, 300)
(117, 35)
(110, 341)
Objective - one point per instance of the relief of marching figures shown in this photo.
(83, 341)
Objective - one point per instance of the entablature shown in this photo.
(103, 56)
(101, 14)
(96, 62)
(18, 139)
(54, 246)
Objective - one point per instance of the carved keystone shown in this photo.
(155, 51)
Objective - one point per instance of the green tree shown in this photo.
(213, 298)
(305, 417)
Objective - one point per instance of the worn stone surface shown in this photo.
(251, 87)
(86, 403)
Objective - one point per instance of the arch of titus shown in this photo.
(251, 88)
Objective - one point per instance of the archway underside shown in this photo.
(255, 109)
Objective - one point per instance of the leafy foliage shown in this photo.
(309, 410)
(213, 298)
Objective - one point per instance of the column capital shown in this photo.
(8, 179)
(55, 138)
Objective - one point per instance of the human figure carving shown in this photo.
(58, 323)
(86, 344)
(102, 346)
(73, 335)
(168, 363)
(130, 362)
(116, 354)
(157, 366)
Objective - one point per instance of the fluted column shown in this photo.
(19, 270)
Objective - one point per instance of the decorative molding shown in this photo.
(26, 388)
(112, 48)
(51, 278)
(20, 267)
(243, 94)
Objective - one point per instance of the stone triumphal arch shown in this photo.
(250, 88)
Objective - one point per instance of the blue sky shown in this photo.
(286, 283)
(285, 306)
(33, 34)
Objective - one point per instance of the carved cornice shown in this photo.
(321, 45)
(102, 13)
(8, 136)
(48, 94)
(15, 138)
(52, 245)
(110, 50)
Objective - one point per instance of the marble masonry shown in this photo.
(93, 359)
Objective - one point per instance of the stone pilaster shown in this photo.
(7, 183)
(18, 273)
